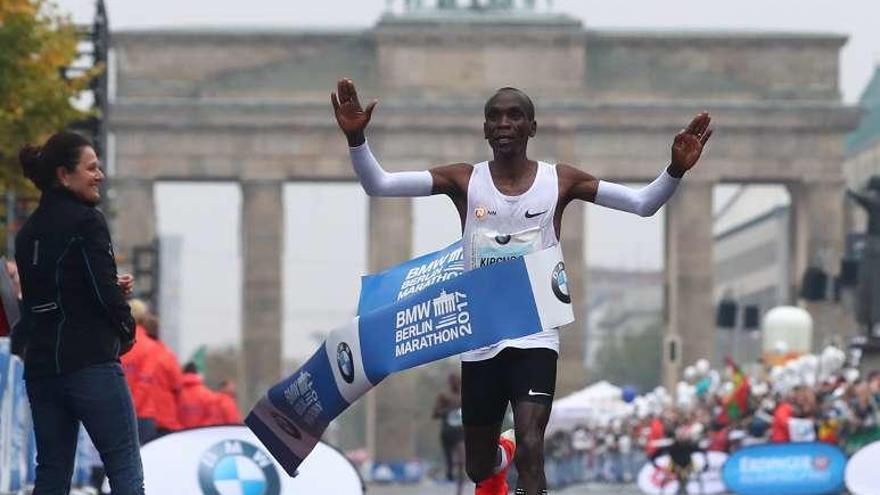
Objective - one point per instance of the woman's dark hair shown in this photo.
(39, 163)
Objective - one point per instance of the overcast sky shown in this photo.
(210, 312)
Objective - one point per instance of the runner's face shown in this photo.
(508, 126)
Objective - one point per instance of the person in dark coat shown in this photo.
(76, 322)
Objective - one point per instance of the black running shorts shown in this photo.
(512, 376)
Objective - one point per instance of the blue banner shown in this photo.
(405, 279)
(809, 468)
(6, 395)
(444, 315)
(5, 356)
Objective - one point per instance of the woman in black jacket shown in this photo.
(76, 322)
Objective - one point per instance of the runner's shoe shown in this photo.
(497, 483)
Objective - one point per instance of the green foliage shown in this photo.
(36, 43)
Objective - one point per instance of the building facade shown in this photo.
(251, 107)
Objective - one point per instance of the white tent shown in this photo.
(600, 402)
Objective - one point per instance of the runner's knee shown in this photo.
(529, 452)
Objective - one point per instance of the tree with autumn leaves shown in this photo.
(37, 43)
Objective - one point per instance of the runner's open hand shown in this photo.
(350, 116)
(689, 143)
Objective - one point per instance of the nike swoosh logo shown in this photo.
(533, 215)
(533, 393)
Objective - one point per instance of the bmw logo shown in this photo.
(502, 239)
(559, 282)
(345, 362)
(234, 467)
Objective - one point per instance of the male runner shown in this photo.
(509, 206)
(447, 408)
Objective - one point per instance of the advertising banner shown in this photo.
(444, 318)
(222, 460)
(405, 279)
(790, 468)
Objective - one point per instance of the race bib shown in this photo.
(489, 247)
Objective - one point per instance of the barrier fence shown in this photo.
(17, 445)
(799, 468)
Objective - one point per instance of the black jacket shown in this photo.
(73, 312)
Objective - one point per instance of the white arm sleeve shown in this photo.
(377, 182)
(643, 202)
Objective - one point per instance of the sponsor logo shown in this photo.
(286, 426)
(559, 283)
(533, 215)
(532, 393)
(237, 467)
(345, 362)
(821, 463)
(502, 239)
(435, 322)
(481, 212)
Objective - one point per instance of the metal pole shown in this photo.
(736, 336)
(11, 221)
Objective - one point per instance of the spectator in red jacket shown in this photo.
(781, 416)
(656, 434)
(168, 381)
(139, 366)
(198, 403)
(227, 408)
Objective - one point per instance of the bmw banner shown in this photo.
(405, 279)
(445, 315)
(224, 460)
(808, 468)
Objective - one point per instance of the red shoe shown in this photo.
(497, 483)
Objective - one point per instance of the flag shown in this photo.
(737, 403)
(198, 359)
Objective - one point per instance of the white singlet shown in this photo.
(499, 227)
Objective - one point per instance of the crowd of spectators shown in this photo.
(167, 397)
(840, 408)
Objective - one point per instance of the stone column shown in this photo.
(571, 375)
(689, 307)
(391, 407)
(818, 240)
(133, 213)
(261, 236)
